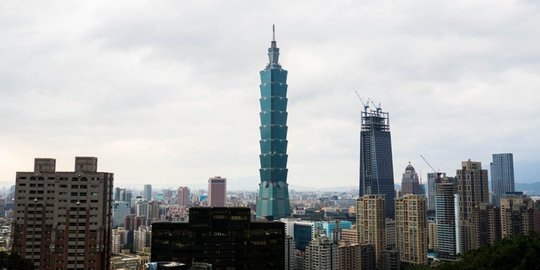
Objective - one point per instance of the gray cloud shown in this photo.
(167, 92)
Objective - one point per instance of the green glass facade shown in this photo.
(273, 201)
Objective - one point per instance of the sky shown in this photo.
(166, 92)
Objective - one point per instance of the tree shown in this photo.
(14, 262)
(517, 253)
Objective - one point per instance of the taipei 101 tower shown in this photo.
(273, 201)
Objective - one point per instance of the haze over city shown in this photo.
(168, 92)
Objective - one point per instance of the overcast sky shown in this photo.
(166, 92)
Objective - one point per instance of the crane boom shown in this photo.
(427, 162)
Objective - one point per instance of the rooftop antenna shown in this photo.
(273, 32)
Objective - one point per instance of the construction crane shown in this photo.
(427, 162)
(366, 104)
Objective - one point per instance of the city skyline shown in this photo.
(143, 90)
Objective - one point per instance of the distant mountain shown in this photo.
(529, 188)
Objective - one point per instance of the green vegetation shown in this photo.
(14, 262)
(522, 252)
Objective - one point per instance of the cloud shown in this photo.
(167, 92)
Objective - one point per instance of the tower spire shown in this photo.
(273, 51)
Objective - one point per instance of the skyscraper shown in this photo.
(472, 188)
(409, 182)
(502, 176)
(273, 200)
(182, 196)
(433, 179)
(217, 191)
(147, 193)
(376, 169)
(62, 220)
(411, 229)
(370, 223)
(446, 220)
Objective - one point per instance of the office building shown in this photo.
(141, 208)
(304, 232)
(472, 188)
(217, 191)
(62, 220)
(222, 237)
(502, 176)
(516, 215)
(376, 169)
(273, 200)
(411, 229)
(116, 194)
(446, 219)
(182, 196)
(289, 225)
(433, 179)
(370, 223)
(333, 229)
(147, 192)
(321, 253)
(120, 210)
(409, 182)
(153, 211)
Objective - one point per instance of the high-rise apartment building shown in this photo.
(290, 250)
(390, 233)
(223, 237)
(350, 235)
(349, 256)
(321, 254)
(147, 192)
(409, 182)
(411, 229)
(433, 179)
(516, 215)
(472, 188)
(217, 191)
(182, 196)
(62, 220)
(489, 224)
(432, 235)
(390, 260)
(370, 223)
(273, 200)
(502, 176)
(446, 219)
(376, 169)
(367, 256)
(142, 238)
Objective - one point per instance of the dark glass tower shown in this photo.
(376, 168)
(273, 201)
(502, 176)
